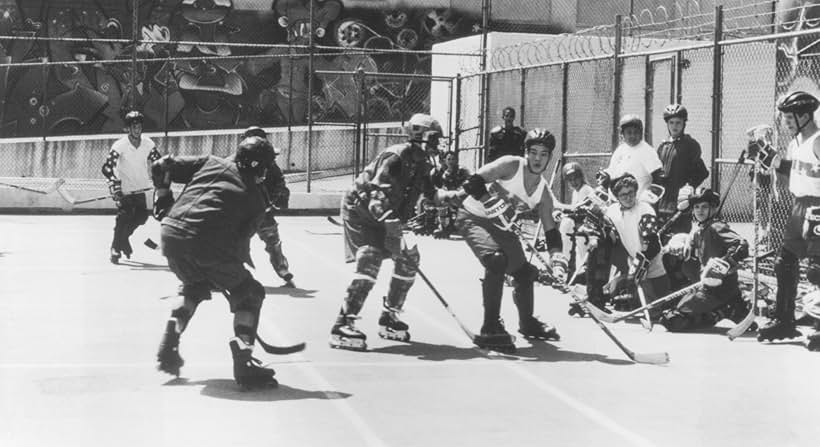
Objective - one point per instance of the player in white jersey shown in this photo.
(633, 156)
(574, 176)
(519, 184)
(802, 234)
(128, 169)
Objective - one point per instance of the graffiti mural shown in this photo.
(188, 77)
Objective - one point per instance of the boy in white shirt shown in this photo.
(574, 176)
(633, 156)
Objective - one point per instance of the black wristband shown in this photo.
(475, 186)
(553, 239)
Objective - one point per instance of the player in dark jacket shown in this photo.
(206, 238)
(507, 139)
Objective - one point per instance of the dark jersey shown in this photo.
(682, 164)
(218, 206)
(714, 238)
(401, 173)
(505, 141)
(276, 188)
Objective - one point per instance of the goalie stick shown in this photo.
(333, 220)
(280, 350)
(652, 358)
(51, 188)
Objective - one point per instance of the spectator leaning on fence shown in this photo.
(127, 170)
(507, 139)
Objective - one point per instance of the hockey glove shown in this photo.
(115, 189)
(392, 236)
(683, 197)
(163, 201)
(679, 245)
(714, 271)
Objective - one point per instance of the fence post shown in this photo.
(483, 93)
(523, 95)
(717, 74)
(564, 115)
(134, 38)
(309, 156)
(648, 95)
(357, 149)
(457, 134)
(679, 77)
(616, 89)
(449, 110)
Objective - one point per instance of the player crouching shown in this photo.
(711, 251)
(482, 223)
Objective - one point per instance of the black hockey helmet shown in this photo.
(539, 136)
(253, 156)
(675, 111)
(134, 116)
(798, 102)
(704, 194)
(255, 131)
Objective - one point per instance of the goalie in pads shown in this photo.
(710, 253)
(486, 224)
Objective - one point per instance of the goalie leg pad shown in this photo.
(369, 261)
(405, 268)
(786, 269)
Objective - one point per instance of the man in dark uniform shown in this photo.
(507, 139)
(206, 239)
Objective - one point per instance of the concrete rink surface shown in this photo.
(78, 340)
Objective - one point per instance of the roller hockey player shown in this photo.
(485, 224)
(507, 139)
(127, 169)
(449, 178)
(382, 199)
(635, 224)
(802, 235)
(711, 252)
(633, 156)
(206, 238)
(278, 195)
(574, 176)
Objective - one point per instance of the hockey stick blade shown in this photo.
(53, 187)
(651, 358)
(743, 326)
(333, 220)
(280, 350)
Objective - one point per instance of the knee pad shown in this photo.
(407, 263)
(528, 273)
(495, 262)
(368, 261)
(813, 270)
(247, 296)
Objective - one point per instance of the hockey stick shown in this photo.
(646, 322)
(333, 220)
(95, 199)
(653, 358)
(280, 350)
(441, 299)
(51, 188)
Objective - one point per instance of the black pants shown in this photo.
(131, 213)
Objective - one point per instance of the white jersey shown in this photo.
(640, 160)
(132, 166)
(581, 193)
(515, 187)
(626, 224)
(804, 179)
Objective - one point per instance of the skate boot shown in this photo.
(126, 249)
(344, 334)
(288, 277)
(533, 328)
(814, 341)
(576, 310)
(495, 338)
(115, 256)
(248, 371)
(778, 330)
(391, 327)
(168, 359)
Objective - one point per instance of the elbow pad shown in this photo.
(475, 186)
(553, 239)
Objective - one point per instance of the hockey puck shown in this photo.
(151, 244)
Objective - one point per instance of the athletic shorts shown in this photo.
(197, 264)
(359, 231)
(793, 235)
(484, 238)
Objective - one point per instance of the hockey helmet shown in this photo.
(255, 131)
(420, 123)
(675, 111)
(253, 156)
(539, 136)
(704, 194)
(630, 120)
(134, 116)
(798, 102)
(573, 168)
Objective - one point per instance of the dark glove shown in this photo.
(163, 201)
(115, 189)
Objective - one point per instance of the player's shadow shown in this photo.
(429, 351)
(228, 389)
(545, 351)
(139, 265)
(293, 292)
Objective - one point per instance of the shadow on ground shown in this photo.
(293, 292)
(228, 389)
(537, 351)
